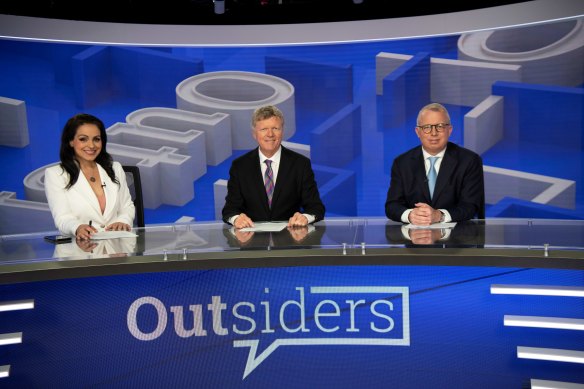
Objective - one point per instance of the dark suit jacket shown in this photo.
(295, 189)
(459, 187)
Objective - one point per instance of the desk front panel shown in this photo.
(292, 327)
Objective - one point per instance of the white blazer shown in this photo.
(78, 205)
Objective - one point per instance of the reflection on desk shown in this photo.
(308, 236)
(87, 249)
(464, 234)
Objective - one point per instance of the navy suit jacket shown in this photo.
(459, 189)
(295, 190)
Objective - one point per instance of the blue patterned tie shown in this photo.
(269, 181)
(432, 175)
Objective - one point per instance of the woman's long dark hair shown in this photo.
(67, 153)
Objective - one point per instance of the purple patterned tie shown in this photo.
(269, 181)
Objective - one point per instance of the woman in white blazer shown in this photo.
(87, 191)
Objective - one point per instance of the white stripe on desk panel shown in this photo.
(550, 354)
(16, 305)
(541, 290)
(543, 384)
(544, 322)
(13, 338)
(4, 371)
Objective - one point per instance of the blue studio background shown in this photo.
(353, 130)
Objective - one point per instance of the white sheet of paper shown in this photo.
(435, 226)
(266, 227)
(112, 235)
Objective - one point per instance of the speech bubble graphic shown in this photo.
(254, 360)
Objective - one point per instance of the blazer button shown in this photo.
(103, 226)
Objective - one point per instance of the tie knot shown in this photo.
(268, 162)
(432, 160)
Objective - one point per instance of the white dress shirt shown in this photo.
(427, 164)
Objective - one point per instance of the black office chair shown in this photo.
(135, 186)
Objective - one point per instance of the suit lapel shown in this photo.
(85, 192)
(259, 180)
(111, 193)
(283, 171)
(420, 174)
(446, 169)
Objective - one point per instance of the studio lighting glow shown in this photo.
(12, 338)
(538, 290)
(16, 305)
(550, 354)
(4, 371)
(544, 384)
(544, 322)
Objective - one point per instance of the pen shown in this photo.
(90, 223)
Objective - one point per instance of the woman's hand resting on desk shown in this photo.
(118, 226)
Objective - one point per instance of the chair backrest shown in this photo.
(135, 186)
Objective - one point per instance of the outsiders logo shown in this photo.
(327, 316)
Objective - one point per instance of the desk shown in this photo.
(352, 302)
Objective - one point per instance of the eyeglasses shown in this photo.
(427, 128)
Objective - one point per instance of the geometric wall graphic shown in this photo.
(23, 216)
(167, 176)
(216, 128)
(13, 123)
(320, 87)
(219, 193)
(337, 141)
(337, 190)
(535, 48)
(483, 125)
(500, 183)
(560, 124)
(237, 94)
(104, 73)
(191, 143)
(467, 83)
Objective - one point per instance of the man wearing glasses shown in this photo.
(438, 181)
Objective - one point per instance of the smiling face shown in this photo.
(268, 133)
(434, 141)
(86, 143)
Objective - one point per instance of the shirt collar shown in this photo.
(274, 158)
(428, 155)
